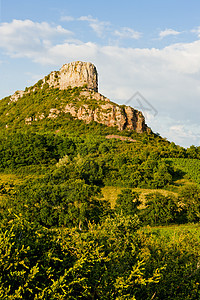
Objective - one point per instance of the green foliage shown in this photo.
(22, 149)
(41, 264)
(193, 152)
(127, 202)
(112, 260)
(56, 201)
(190, 167)
(160, 209)
(32, 261)
(163, 175)
(190, 199)
(178, 253)
(101, 161)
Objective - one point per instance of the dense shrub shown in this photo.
(112, 260)
(190, 199)
(127, 202)
(160, 209)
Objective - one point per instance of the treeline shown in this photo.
(55, 200)
(95, 159)
(23, 149)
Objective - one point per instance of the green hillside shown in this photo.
(36, 104)
(80, 206)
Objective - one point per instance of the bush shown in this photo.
(190, 199)
(127, 202)
(160, 209)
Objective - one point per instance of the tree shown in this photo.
(162, 176)
(190, 198)
(160, 209)
(127, 202)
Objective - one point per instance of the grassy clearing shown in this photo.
(9, 178)
(110, 194)
(173, 231)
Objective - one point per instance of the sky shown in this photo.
(147, 53)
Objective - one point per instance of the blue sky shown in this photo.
(149, 46)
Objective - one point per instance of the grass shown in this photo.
(172, 231)
(110, 194)
(9, 179)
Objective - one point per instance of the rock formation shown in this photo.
(108, 113)
(74, 74)
(84, 74)
(77, 73)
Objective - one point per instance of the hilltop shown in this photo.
(73, 90)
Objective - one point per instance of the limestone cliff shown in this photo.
(108, 113)
(77, 73)
(88, 105)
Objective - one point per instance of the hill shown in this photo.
(80, 179)
(73, 90)
(62, 124)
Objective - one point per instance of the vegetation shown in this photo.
(87, 217)
(191, 167)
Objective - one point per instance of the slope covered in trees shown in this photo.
(60, 240)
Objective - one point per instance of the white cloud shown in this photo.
(67, 19)
(99, 27)
(87, 18)
(183, 133)
(168, 32)
(197, 31)
(127, 33)
(24, 38)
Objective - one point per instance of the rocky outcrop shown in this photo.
(16, 96)
(110, 114)
(77, 73)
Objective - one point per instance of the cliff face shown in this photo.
(89, 105)
(108, 113)
(74, 74)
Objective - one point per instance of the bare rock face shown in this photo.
(77, 73)
(108, 113)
